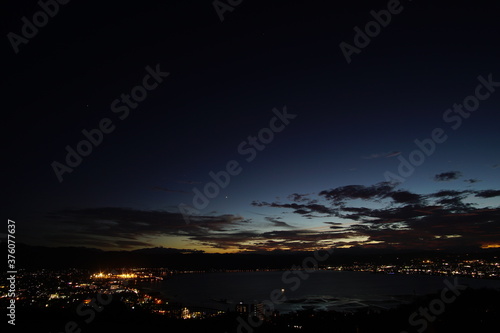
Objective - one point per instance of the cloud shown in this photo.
(447, 176)
(341, 194)
(76, 239)
(488, 193)
(447, 193)
(393, 154)
(296, 197)
(427, 227)
(112, 227)
(126, 227)
(335, 225)
(472, 181)
(404, 197)
(437, 220)
(277, 223)
(303, 209)
(392, 217)
(289, 240)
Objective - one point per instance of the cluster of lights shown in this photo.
(101, 275)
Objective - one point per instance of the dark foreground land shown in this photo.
(472, 311)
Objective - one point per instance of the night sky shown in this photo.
(395, 145)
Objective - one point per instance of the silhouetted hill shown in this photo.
(80, 257)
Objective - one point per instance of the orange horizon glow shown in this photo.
(490, 246)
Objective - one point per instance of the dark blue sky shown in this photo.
(320, 181)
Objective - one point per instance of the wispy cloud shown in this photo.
(277, 223)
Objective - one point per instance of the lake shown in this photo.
(322, 290)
